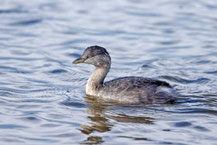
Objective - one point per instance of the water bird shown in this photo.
(124, 90)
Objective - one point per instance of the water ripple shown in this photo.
(42, 94)
(27, 22)
(186, 81)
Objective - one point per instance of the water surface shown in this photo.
(42, 97)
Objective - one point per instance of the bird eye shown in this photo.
(88, 56)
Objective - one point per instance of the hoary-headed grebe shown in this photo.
(124, 90)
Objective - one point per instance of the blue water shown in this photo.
(42, 97)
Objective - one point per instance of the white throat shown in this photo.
(95, 82)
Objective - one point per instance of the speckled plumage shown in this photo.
(125, 90)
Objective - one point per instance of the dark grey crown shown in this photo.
(94, 51)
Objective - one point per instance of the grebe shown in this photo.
(124, 90)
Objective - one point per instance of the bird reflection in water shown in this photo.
(100, 113)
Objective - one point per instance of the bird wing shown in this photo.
(136, 82)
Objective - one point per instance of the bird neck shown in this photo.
(95, 82)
